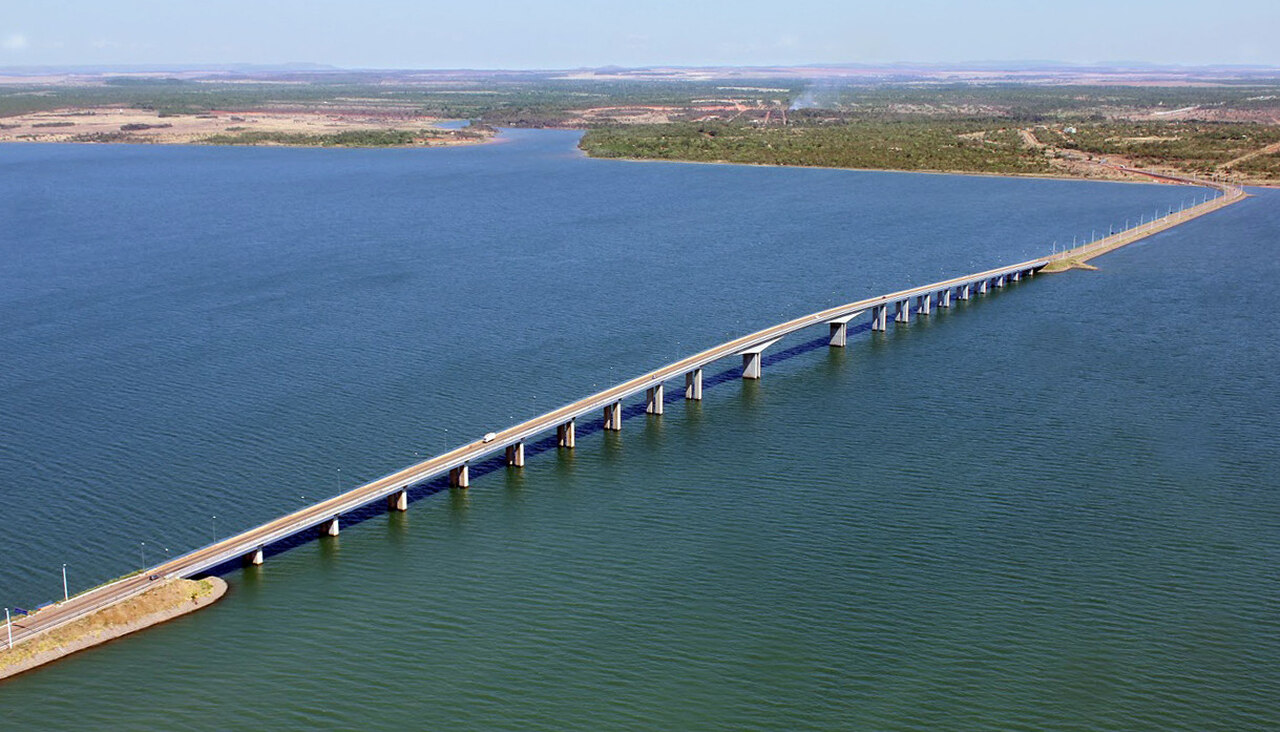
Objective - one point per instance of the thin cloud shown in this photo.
(15, 42)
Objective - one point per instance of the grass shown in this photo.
(169, 596)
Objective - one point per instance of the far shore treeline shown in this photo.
(1216, 125)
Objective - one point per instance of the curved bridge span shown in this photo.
(393, 488)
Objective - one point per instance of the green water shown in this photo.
(1051, 508)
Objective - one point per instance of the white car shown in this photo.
(488, 436)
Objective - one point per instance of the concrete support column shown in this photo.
(398, 501)
(460, 477)
(565, 435)
(693, 385)
(944, 298)
(982, 287)
(1031, 272)
(613, 416)
(839, 335)
(840, 329)
(1016, 276)
(924, 303)
(653, 397)
(965, 291)
(515, 455)
(330, 527)
(902, 311)
(254, 558)
(751, 365)
(1000, 281)
(880, 317)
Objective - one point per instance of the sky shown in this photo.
(559, 34)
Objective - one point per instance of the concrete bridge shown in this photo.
(326, 516)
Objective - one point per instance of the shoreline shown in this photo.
(1135, 180)
(153, 607)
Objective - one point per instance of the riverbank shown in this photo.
(951, 146)
(168, 601)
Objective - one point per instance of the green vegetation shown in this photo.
(1261, 166)
(918, 145)
(349, 138)
(1197, 147)
(908, 121)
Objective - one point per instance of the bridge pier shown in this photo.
(1000, 281)
(880, 317)
(330, 527)
(398, 501)
(840, 329)
(565, 435)
(613, 416)
(944, 298)
(693, 385)
(460, 477)
(653, 397)
(254, 558)
(924, 303)
(982, 286)
(751, 359)
(515, 455)
(1015, 276)
(965, 291)
(902, 311)
(839, 334)
(751, 365)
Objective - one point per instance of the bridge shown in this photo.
(326, 516)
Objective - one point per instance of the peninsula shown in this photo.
(165, 601)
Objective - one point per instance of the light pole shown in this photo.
(65, 595)
(8, 625)
(213, 528)
(142, 552)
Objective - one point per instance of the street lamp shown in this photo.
(65, 595)
(142, 552)
(213, 528)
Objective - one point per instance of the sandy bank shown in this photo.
(166, 602)
(116, 124)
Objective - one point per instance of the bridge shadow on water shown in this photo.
(498, 461)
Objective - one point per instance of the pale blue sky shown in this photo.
(572, 33)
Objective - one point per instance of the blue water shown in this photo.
(1053, 507)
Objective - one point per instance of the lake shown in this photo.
(1053, 507)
